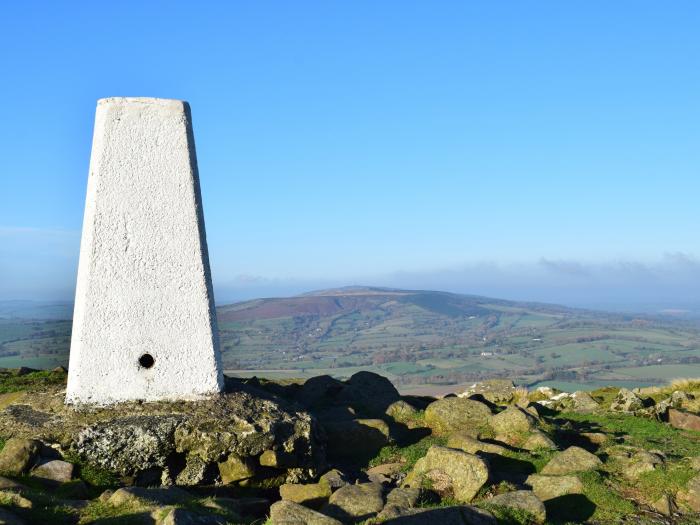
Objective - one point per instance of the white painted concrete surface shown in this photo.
(144, 284)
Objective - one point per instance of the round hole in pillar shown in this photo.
(146, 361)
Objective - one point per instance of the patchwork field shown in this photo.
(423, 341)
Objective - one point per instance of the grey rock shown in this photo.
(522, 500)
(497, 391)
(148, 496)
(450, 471)
(573, 459)
(355, 502)
(550, 487)
(290, 513)
(403, 497)
(626, 401)
(54, 470)
(453, 414)
(187, 517)
(19, 455)
(455, 515)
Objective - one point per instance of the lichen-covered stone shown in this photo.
(524, 500)
(16, 500)
(135, 439)
(498, 391)
(573, 459)
(290, 513)
(689, 497)
(452, 414)
(403, 497)
(453, 515)
(550, 487)
(355, 502)
(626, 401)
(236, 468)
(309, 494)
(148, 496)
(464, 441)
(187, 517)
(538, 440)
(513, 420)
(449, 472)
(18, 455)
(131, 444)
(401, 411)
(54, 470)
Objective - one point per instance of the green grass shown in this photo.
(640, 432)
(96, 477)
(408, 455)
(10, 382)
(610, 506)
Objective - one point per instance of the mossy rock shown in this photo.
(453, 414)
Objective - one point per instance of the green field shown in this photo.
(417, 339)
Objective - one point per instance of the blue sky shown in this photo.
(548, 148)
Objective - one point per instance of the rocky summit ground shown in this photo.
(326, 451)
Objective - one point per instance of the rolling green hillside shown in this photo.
(422, 340)
(435, 338)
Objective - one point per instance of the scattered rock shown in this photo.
(513, 420)
(464, 441)
(689, 498)
(236, 468)
(550, 487)
(290, 513)
(195, 472)
(665, 505)
(583, 402)
(594, 438)
(18, 456)
(450, 472)
(355, 502)
(144, 438)
(635, 462)
(538, 440)
(54, 470)
(452, 414)
(403, 497)
(335, 479)
(455, 515)
(10, 484)
(522, 500)
(626, 401)
(683, 420)
(312, 495)
(497, 391)
(277, 459)
(15, 500)
(187, 517)
(148, 496)
(384, 473)
(250, 506)
(401, 411)
(573, 459)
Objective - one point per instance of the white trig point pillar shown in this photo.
(144, 326)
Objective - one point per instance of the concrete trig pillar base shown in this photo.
(144, 326)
